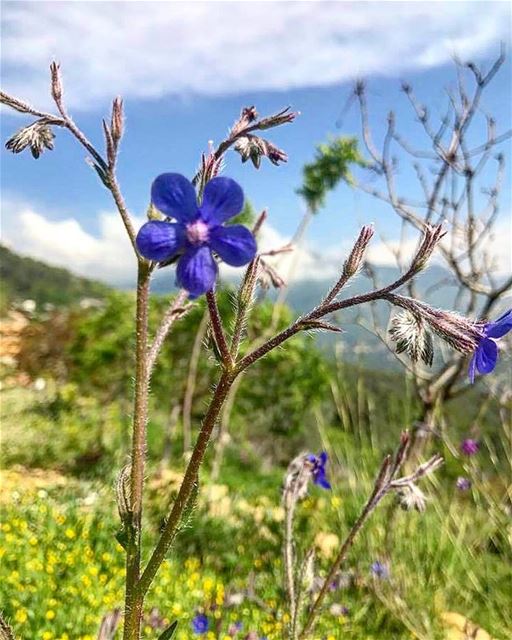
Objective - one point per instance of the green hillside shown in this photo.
(25, 278)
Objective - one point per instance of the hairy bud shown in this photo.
(38, 136)
(253, 148)
(117, 120)
(432, 235)
(412, 498)
(283, 117)
(268, 276)
(355, 259)
(459, 332)
(56, 82)
(296, 479)
(411, 335)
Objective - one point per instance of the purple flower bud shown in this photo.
(469, 447)
(463, 484)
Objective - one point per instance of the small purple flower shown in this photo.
(469, 447)
(197, 230)
(486, 355)
(380, 570)
(319, 474)
(200, 624)
(463, 484)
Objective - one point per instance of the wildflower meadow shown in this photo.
(217, 448)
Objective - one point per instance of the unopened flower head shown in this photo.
(431, 238)
(37, 136)
(297, 479)
(463, 484)
(411, 335)
(412, 497)
(469, 447)
(198, 230)
(251, 147)
(485, 357)
(355, 259)
(460, 333)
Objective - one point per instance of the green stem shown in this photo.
(187, 486)
(133, 602)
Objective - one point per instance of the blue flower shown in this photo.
(380, 570)
(486, 355)
(200, 624)
(196, 230)
(319, 475)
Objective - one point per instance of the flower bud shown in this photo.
(117, 120)
(56, 83)
(411, 335)
(38, 136)
(355, 259)
(412, 497)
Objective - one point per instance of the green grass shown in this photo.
(62, 569)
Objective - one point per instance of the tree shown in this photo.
(460, 173)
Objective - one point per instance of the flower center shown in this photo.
(197, 232)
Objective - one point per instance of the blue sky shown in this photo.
(185, 70)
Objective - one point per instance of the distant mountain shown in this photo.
(356, 342)
(23, 278)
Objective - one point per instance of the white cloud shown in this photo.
(65, 243)
(150, 49)
(108, 256)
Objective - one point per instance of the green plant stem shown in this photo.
(218, 330)
(378, 492)
(187, 486)
(133, 602)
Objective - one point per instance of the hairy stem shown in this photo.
(175, 311)
(218, 330)
(377, 494)
(187, 486)
(133, 603)
(191, 382)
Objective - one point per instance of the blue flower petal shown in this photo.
(486, 356)
(472, 368)
(174, 195)
(158, 240)
(197, 270)
(501, 327)
(322, 480)
(223, 198)
(323, 458)
(234, 244)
